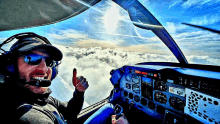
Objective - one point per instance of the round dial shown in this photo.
(160, 97)
(177, 103)
(146, 93)
(160, 85)
(136, 88)
(135, 79)
(128, 77)
(136, 98)
(128, 86)
(204, 86)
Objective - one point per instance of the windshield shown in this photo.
(199, 46)
(103, 38)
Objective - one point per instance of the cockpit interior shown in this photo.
(167, 93)
(149, 92)
(170, 93)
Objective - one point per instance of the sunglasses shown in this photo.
(35, 59)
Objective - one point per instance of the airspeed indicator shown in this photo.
(135, 79)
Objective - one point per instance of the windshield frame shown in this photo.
(142, 18)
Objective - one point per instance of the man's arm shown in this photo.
(71, 109)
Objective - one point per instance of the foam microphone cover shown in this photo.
(40, 83)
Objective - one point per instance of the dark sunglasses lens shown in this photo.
(33, 59)
(49, 62)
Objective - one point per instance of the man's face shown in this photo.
(29, 72)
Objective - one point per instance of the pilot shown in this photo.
(29, 67)
(26, 73)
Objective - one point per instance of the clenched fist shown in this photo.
(80, 83)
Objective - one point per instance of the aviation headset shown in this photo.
(7, 57)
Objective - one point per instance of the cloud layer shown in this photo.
(95, 64)
(206, 19)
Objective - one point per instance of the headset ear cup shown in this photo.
(7, 68)
(7, 64)
(54, 71)
(10, 68)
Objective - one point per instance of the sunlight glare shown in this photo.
(111, 18)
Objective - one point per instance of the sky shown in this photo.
(103, 38)
(108, 23)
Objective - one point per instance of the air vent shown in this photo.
(203, 107)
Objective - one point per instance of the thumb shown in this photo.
(74, 76)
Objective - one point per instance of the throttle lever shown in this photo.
(118, 111)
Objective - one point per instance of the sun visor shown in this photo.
(32, 13)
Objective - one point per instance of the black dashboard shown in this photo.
(160, 91)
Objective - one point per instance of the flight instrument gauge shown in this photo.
(137, 98)
(177, 103)
(136, 79)
(128, 77)
(160, 97)
(160, 85)
(136, 88)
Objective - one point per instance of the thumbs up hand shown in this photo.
(80, 83)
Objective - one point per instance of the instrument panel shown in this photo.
(158, 89)
(150, 90)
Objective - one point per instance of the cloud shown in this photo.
(87, 43)
(198, 43)
(186, 4)
(156, 48)
(206, 60)
(196, 36)
(57, 36)
(121, 36)
(198, 3)
(170, 26)
(175, 3)
(81, 39)
(2, 39)
(185, 34)
(67, 34)
(206, 19)
(7, 46)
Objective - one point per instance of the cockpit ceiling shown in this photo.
(31, 13)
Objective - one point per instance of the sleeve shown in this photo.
(35, 117)
(70, 109)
